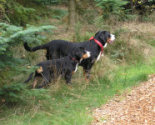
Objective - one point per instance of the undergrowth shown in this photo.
(73, 105)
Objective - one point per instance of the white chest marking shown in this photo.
(105, 45)
(76, 67)
(100, 54)
(98, 57)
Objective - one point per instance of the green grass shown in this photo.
(152, 43)
(73, 105)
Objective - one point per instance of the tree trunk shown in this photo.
(72, 14)
(131, 4)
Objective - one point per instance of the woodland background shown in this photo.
(129, 60)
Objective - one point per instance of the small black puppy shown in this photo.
(51, 69)
(60, 48)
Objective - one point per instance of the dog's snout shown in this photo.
(112, 37)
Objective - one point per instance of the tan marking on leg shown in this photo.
(35, 83)
(40, 69)
(86, 79)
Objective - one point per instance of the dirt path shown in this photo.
(133, 108)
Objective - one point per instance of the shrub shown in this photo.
(11, 66)
(123, 50)
(21, 12)
(112, 8)
(17, 13)
(17, 93)
(2, 8)
(11, 94)
(58, 13)
(12, 35)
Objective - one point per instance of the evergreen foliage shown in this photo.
(47, 2)
(18, 14)
(10, 65)
(144, 7)
(2, 10)
(12, 35)
(17, 93)
(112, 8)
(14, 12)
(11, 93)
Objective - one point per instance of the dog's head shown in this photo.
(104, 37)
(79, 53)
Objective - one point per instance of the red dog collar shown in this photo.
(97, 42)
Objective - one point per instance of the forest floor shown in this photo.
(131, 108)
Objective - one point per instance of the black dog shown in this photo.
(51, 69)
(60, 48)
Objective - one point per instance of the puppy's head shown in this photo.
(104, 37)
(80, 53)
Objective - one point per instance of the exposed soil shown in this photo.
(136, 107)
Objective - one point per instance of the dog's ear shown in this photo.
(99, 32)
(101, 35)
(104, 35)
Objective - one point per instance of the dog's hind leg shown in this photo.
(43, 84)
(34, 83)
(68, 77)
(46, 79)
(30, 77)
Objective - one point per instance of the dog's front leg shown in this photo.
(86, 70)
(86, 74)
(44, 83)
(68, 77)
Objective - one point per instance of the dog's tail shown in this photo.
(29, 78)
(32, 49)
